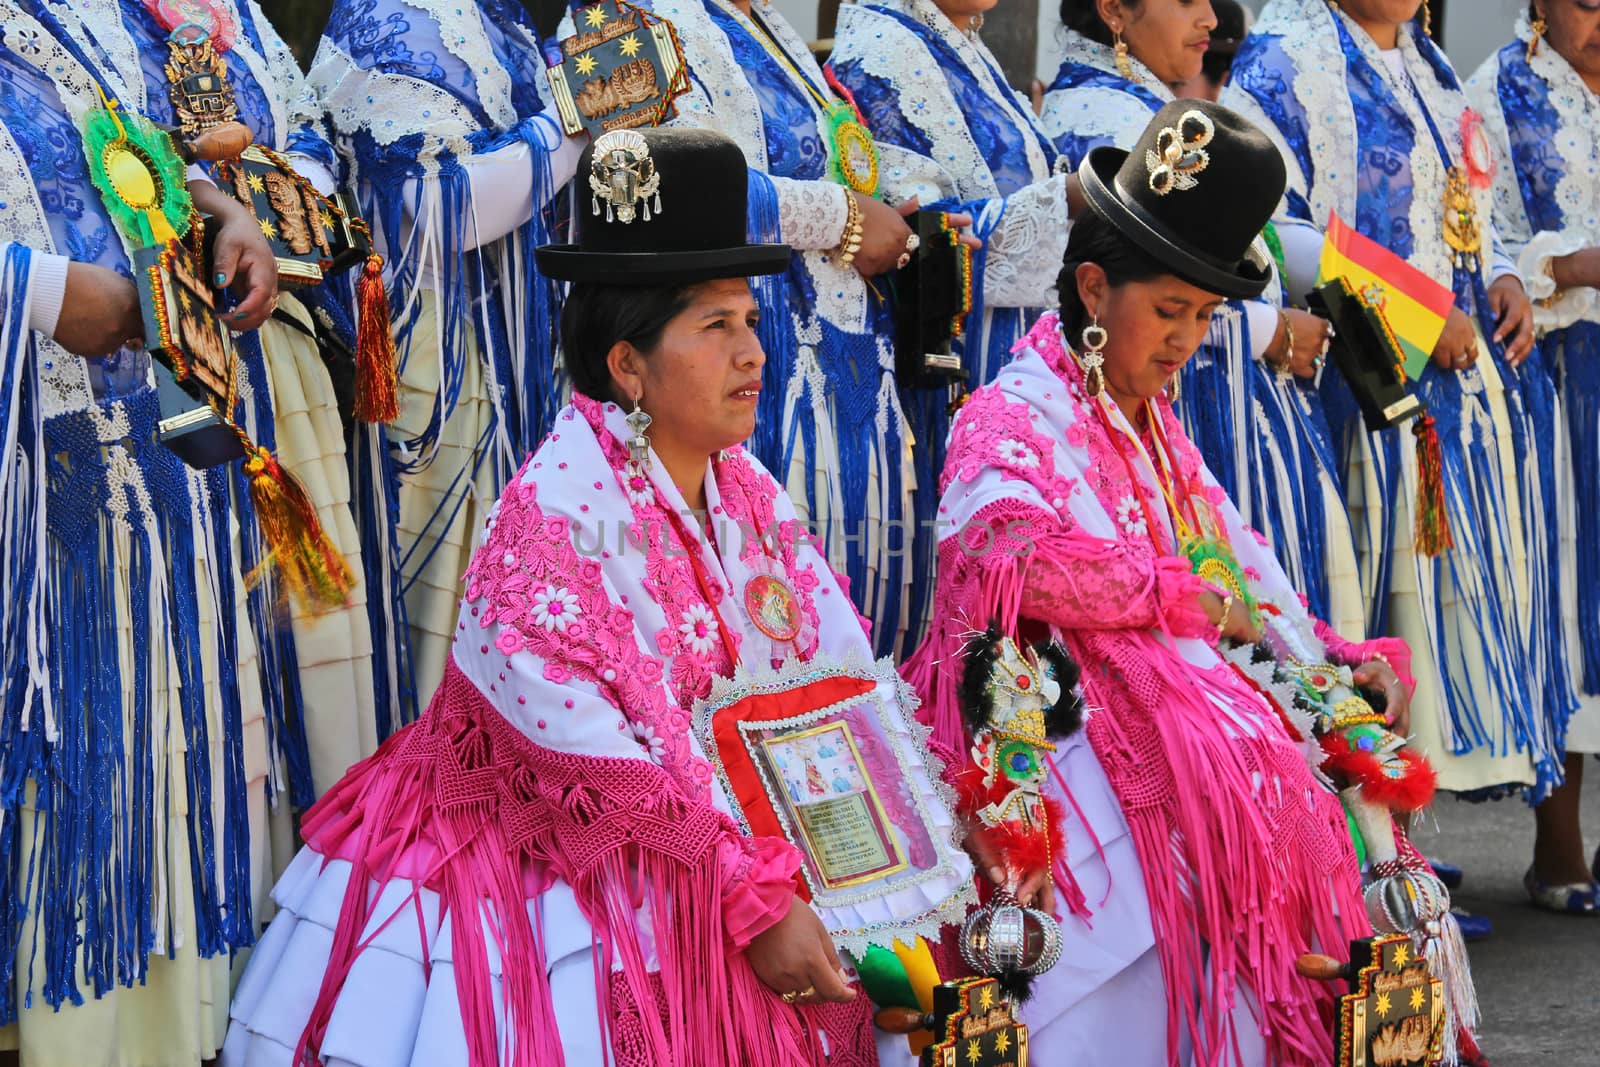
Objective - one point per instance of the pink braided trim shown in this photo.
(498, 817)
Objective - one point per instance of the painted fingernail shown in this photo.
(222, 279)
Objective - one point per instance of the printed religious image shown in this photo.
(833, 803)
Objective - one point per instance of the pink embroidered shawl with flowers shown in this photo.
(558, 750)
(1245, 856)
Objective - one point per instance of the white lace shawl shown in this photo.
(1026, 246)
(1098, 111)
(391, 106)
(1310, 39)
(1577, 192)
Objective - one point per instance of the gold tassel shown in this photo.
(377, 384)
(311, 566)
(1432, 533)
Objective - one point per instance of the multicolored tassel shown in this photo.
(1432, 533)
(310, 565)
(377, 383)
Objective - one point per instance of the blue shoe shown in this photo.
(1448, 873)
(1473, 927)
(1578, 899)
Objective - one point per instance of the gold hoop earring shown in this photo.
(1094, 339)
(1120, 48)
(1536, 31)
(1427, 19)
(974, 24)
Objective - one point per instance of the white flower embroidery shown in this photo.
(641, 494)
(699, 629)
(655, 747)
(1131, 516)
(1016, 453)
(555, 609)
(25, 41)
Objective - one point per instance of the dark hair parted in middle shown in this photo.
(1095, 240)
(1083, 17)
(595, 317)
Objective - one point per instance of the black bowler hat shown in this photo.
(1194, 193)
(661, 206)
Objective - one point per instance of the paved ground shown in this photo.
(1539, 975)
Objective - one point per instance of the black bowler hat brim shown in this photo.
(566, 263)
(1098, 175)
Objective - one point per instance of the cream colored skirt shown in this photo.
(1495, 573)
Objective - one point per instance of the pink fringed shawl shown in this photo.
(614, 799)
(1246, 858)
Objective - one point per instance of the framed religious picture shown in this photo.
(832, 801)
(827, 755)
(184, 334)
(622, 68)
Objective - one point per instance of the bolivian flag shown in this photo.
(1409, 302)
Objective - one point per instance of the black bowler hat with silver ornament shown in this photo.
(1194, 194)
(661, 206)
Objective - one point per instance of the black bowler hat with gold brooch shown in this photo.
(661, 206)
(1194, 194)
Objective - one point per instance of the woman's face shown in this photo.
(961, 12)
(1168, 36)
(1152, 329)
(1573, 29)
(701, 383)
(1372, 14)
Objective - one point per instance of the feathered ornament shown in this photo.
(1014, 702)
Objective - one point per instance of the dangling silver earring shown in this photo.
(638, 447)
(1093, 357)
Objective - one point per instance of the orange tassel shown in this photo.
(309, 564)
(1432, 533)
(377, 385)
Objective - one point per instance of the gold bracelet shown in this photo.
(1227, 609)
(1282, 364)
(850, 243)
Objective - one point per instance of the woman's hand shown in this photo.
(1513, 318)
(1311, 334)
(884, 234)
(1038, 890)
(1237, 624)
(242, 258)
(1378, 677)
(796, 959)
(99, 311)
(1457, 347)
